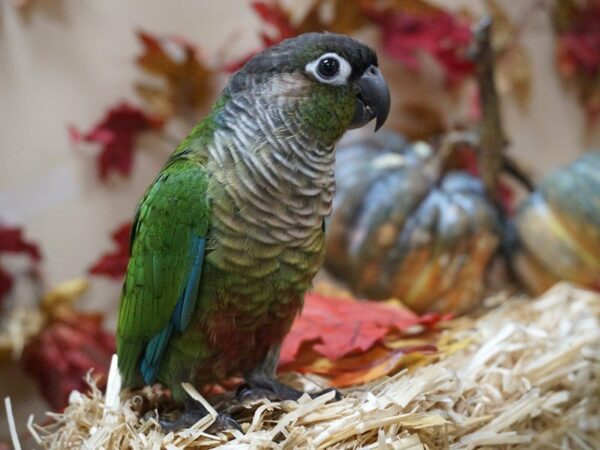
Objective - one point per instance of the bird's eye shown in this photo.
(330, 68)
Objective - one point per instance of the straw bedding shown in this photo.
(523, 374)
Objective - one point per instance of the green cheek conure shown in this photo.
(230, 234)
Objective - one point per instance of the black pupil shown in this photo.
(328, 67)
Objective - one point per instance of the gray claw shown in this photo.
(185, 420)
(225, 422)
(338, 396)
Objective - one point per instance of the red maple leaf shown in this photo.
(114, 264)
(579, 44)
(13, 241)
(336, 327)
(116, 133)
(440, 34)
(274, 16)
(578, 50)
(65, 351)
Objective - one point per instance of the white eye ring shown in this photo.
(341, 77)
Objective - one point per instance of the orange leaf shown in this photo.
(335, 327)
(188, 81)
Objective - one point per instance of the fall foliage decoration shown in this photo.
(345, 16)
(408, 31)
(513, 64)
(116, 133)
(336, 327)
(12, 241)
(187, 80)
(114, 264)
(407, 28)
(353, 342)
(578, 49)
(69, 345)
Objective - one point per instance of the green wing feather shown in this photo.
(173, 213)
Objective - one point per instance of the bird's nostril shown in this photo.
(373, 70)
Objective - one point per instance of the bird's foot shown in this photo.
(195, 412)
(260, 387)
(187, 418)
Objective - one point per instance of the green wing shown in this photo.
(165, 266)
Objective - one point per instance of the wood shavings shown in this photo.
(523, 375)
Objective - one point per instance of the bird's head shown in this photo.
(327, 82)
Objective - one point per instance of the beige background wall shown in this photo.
(65, 61)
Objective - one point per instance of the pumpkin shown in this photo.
(405, 224)
(558, 228)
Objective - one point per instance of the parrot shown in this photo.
(228, 237)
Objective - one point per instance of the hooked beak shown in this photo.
(373, 99)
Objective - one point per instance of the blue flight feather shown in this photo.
(180, 318)
(153, 353)
(187, 302)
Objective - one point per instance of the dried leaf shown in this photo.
(444, 36)
(69, 345)
(12, 241)
(65, 351)
(419, 121)
(117, 133)
(513, 65)
(336, 327)
(274, 15)
(114, 264)
(578, 49)
(64, 295)
(364, 367)
(188, 82)
(338, 16)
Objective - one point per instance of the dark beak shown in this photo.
(373, 99)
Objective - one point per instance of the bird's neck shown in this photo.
(272, 169)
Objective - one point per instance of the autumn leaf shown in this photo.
(351, 342)
(188, 83)
(12, 241)
(117, 133)
(337, 16)
(578, 49)
(345, 16)
(114, 264)
(277, 27)
(513, 64)
(70, 345)
(274, 15)
(445, 37)
(420, 121)
(360, 368)
(335, 327)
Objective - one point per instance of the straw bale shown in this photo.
(524, 374)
